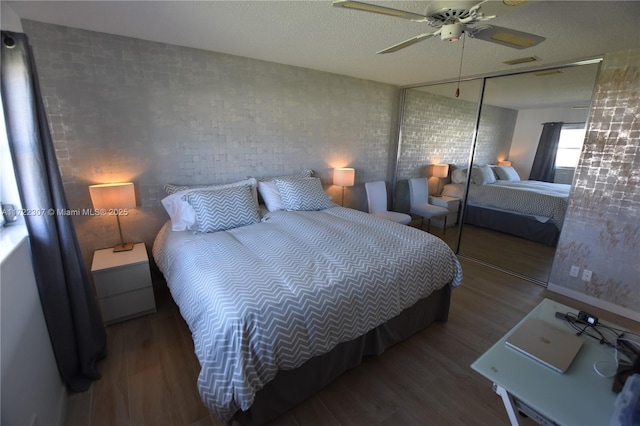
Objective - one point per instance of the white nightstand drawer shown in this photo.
(119, 280)
(123, 283)
(127, 305)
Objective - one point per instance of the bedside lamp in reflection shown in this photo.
(440, 171)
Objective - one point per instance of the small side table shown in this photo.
(123, 283)
(450, 203)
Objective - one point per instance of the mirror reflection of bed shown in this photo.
(526, 215)
(517, 233)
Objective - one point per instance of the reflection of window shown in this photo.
(570, 144)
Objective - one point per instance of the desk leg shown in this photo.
(509, 405)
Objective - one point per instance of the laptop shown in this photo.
(546, 344)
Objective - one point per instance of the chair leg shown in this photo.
(444, 230)
(428, 224)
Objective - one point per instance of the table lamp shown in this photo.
(440, 171)
(114, 197)
(343, 176)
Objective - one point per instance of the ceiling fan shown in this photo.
(451, 18)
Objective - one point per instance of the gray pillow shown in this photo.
(482, 175)
(223, 209)
(303, 194)
(506, 173)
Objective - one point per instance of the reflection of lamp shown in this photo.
(114, 197)
(343, 176)
(440, 171)
(504, 163)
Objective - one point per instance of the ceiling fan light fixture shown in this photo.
(451, 32)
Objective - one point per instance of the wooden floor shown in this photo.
(511, 253)
(149, 377)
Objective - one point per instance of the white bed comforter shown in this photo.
(272, 295)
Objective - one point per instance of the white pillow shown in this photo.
(270, 195)
(459, 176)
(223, 209)
(482, 175)
(303, 194)
(182, 215)
(180, 212)
(506, 173)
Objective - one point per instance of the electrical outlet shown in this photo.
(586, 275)
(574, 271)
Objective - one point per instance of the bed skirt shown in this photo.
(513, 223)
(291, 387)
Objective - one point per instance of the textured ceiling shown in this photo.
(313, 34)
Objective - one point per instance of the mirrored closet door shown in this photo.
(494, 122)
(436, 127)
(521, 118)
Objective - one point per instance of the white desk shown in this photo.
(578, 397)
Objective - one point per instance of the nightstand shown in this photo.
(451, 204)
(123, 283)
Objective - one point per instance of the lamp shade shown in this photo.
(504, 163)
(440, 170)
(113, 196)
(344, 176)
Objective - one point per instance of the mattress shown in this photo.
(272, 295)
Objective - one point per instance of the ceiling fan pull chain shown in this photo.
(464, 37)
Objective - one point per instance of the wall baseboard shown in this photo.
(603, 304)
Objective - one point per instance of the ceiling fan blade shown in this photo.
(505, 36)
(367, 7)
(409, 42)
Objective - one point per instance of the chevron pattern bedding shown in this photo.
(530, 197)
(272, 295)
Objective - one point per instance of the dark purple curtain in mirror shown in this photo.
(77, 334)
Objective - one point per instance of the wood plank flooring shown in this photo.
(149, 376)
(511, 253)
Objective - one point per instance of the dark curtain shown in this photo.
(75, 327)
(544, 163)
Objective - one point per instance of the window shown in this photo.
(8, 186)
(570, 144)
(12, 235)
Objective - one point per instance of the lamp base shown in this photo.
(123, 247)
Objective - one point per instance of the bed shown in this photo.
(280, 306)
(530, 209)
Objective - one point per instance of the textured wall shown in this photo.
(439, 129)
(602, 227)
(124, 109)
